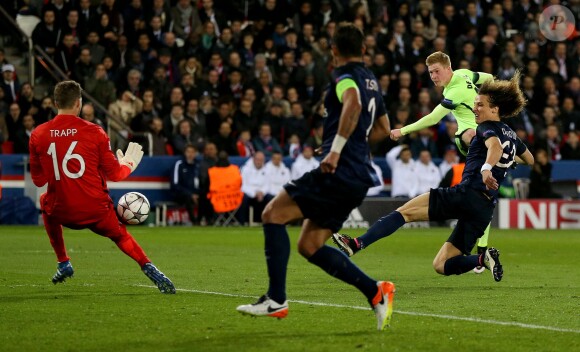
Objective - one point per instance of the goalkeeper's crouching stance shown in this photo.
(74, 158)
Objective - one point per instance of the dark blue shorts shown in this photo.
(325, 199)
(472, 209)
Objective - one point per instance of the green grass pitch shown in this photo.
(111, 306)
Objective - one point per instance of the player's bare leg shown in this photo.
(417, 209)
(450, 261)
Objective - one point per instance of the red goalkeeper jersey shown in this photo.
(74, 157)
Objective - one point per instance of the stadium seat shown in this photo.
(521, 187)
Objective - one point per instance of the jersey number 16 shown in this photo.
(67, 157)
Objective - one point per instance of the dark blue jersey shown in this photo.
(354, 163)
(511, 144)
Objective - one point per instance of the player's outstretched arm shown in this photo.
(525, 158)
(494, 153)
(426, 121)
(349, 116)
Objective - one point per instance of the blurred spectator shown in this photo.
(87, 14)
(224, 140)
(244, 144)
(244, 117)
(185, 19)
(541, 177)
(46, 112)
(571, 149)
(377, 189)
(185, 181)
(293, 148)
(254, 186)
(304, 163)
(550, 143)
(158, 144)
(13, 121)
(424, 141)
(428, 175)
(264, 142)
(296, 123)
(108, 29)
(183, 137)
(84, 67)
(96, 50)
(47, 33)
(125, 108)
(171, 121)
(315, 140)
(88, 113)
(197, 118)
(99, 86)
(27, 102)
(66, 55)
(23, 135)
(9, 85)
(277, 175)
(569, 116)
(450, 158)
(403, 176)
(72, 27)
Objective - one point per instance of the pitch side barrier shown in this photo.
(152, 178)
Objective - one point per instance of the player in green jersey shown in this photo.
(460, 89)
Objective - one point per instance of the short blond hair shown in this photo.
(438, 57)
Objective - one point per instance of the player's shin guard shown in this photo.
(129, 246)
(277, 251)
(337, 264)
(482, 242)
(54, 232)
(461, 264)
(384, 227)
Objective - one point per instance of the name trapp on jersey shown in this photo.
(63, 133)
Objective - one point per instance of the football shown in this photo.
(133, 208)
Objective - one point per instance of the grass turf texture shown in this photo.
(110, 305)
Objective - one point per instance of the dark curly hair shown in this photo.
(506, 95)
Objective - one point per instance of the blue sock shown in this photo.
(277, 250)
(382, 228)
(461, 264)
(337, 264)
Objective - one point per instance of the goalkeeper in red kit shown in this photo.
(74, 158)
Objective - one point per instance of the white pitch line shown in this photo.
(431, 315)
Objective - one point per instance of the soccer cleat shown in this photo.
(163, 283)
(491, 261)
(346, 244)
(480, 268)
(64, 270)
(382, 303)
(265, 306)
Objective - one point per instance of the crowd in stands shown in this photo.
(248, 77)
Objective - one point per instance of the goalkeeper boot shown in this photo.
(265, 306)
(163, 283)
(64, 270)
(480, 268)
(382, 303)
(491, 262)
(346, 244)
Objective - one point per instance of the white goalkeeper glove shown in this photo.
(132, 156)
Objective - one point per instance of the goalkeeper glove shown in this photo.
(132, 156)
